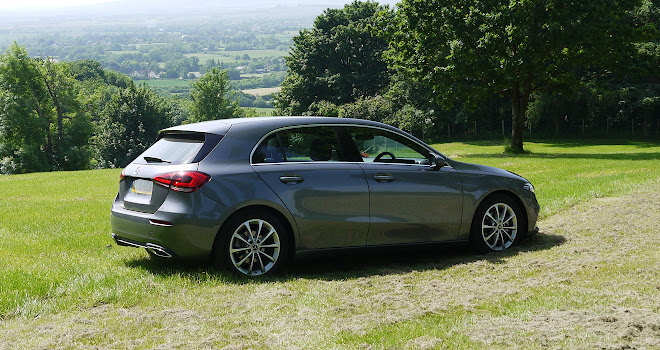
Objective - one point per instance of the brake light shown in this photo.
(121, 177)
(183, 181)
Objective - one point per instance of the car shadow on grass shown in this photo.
(355, 263)
(364, 262)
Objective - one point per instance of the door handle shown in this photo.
(382, 177)
(291, 179)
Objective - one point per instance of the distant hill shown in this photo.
(174, 7)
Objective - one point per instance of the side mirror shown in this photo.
(437, 161)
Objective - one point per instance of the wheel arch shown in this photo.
(290, 226)
(506, 193)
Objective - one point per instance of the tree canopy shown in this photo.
(42, 126)
(212, 98)
(338, 60)
(466, 50)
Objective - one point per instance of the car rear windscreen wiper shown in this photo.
(155, 160)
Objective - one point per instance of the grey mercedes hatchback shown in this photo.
(248, 193)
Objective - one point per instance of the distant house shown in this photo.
(153, 75)
(139, 73)
(196, 74)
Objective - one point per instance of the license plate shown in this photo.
(142, 187)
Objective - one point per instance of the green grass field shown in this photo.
(589, 280)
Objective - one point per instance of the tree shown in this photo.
(130, 124)
(41, 125)
(338, 60)
(212, 99)
(467, 50)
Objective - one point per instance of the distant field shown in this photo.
(263, 112)
(203, 57)
(262, 91)
(257, 53)
(228, 56)
(589, 280)
(120, 52)
(284, 35)
(164, 83)
(253, 75)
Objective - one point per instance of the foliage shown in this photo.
(42, 125)
(338, 60)
(507, 47)
(130, 124)
(212, 98)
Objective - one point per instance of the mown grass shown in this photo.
(567, 172)
(63, 283)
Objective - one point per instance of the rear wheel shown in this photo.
(496, 224)
(253, 244)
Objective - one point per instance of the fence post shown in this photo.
(503, 134)
(448, 130)
(583, 127)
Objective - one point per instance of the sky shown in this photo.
(23, 5)
(42, 4)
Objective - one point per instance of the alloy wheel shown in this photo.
(499, 226)
(254, 247)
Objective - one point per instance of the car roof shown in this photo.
(221, 126)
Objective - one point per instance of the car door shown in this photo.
(409, 201)
(327, 196)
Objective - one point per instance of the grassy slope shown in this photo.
(588, 280)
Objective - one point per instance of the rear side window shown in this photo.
(179, 148)
(307, 144)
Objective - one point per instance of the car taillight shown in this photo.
(183, 181)
(121, 177)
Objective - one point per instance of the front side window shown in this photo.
(305, 144)
(377, 145)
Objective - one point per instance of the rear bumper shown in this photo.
(188, 234)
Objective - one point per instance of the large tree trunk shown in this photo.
(519, 101)
(648, 120)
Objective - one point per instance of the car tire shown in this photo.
(260, 251)
(497, 224)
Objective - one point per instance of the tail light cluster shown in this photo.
(183, 181)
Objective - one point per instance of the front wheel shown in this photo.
(496, 224)
(253, 244)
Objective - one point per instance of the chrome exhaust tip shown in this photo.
(158, 250)
(153, 248)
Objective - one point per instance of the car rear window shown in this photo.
(179, 148)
